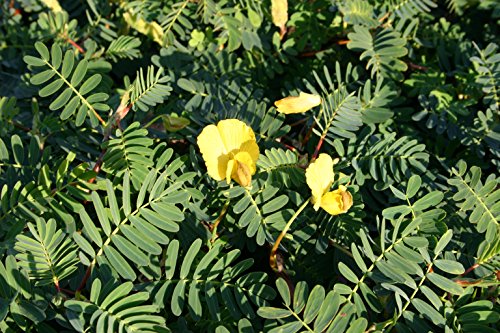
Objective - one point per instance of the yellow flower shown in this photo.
(297, 104)
(319, 177)
(230, 151)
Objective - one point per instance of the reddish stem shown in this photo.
(78, 47)
(308, 135)
(56, 283)
(470, 269)
(418, 67)
(67, 291)
(85, 278)
(318, 147)
(289, 147)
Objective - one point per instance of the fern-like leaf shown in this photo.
(358, 12)
(149, 90)
(73, 97)
(129, 151)
(387, 160)
(382, 50)
(408, 9)
(48, 254)
(132, 235)
(124, 47)
(488, 67)
(177, 23)
(281, 167)
(113, 307)
(212, 282)
(481, 198)
(314, 311)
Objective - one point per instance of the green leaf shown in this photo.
(358, 326)
(62, 99)
(273, 313)
(314, 303)
(300, 296)
(449, 266)
(429, 200)
(328, 309)
(443, 241)
(428, 312)
(347, 273)
(43, 50)
(189, 257)
(445, 284)
(413, 186)
(283, 290)
(89, 85)
(79, 73)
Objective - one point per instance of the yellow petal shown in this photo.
(332, 203)
(230, 151)
(246, 158)
(337, 202)
(214, 152)
(235, 133)
(230, 170)
(241, 168)
(346, 198)
(297, 104)
(319, 177)
(243, 175)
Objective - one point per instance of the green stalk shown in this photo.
(272, 256)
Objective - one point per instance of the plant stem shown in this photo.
(272, 256)
(216, 223)
(318, 147)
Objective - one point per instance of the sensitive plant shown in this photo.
(249, 166)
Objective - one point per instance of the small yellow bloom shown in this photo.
(319, 177)
(297, 104)
(230, 151)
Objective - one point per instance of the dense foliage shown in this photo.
(110, 222)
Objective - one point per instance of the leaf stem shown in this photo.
(272, 256)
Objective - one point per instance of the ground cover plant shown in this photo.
(249, 166)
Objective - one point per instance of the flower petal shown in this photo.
(346, 198)
(235, 133)
(246, 167)
(319, 177)
(213, 151)
(297, 104)
(338, 201)
(332, 203)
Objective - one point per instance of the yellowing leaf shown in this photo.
(279, 11)
(297, 104)
(151, 29)
(174, 124)
(230, 151)
(53, 5)
(337, 202)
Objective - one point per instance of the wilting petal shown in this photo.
(337, 202)
(346, 198)
(332, 203)
(213, 151)
(244, 170)
(297, 104)
(319, 177)
(241, 168)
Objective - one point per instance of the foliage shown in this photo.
(110, 222)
